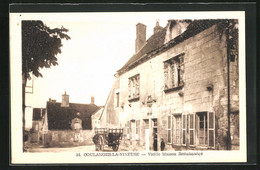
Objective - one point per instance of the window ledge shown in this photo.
(133, 99)
(173, 89)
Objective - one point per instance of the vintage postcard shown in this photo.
(128, 87)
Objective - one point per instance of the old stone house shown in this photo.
(182, 86)
(66, 124)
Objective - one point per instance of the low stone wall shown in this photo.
(68, 138)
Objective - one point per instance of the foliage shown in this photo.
(40, 45)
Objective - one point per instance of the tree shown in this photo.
(40, 45)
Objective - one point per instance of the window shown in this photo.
(169, 130)
(117, 99)
(173, 73)
(133, 87)
(177, 129)
(137, 131)
(205, 129)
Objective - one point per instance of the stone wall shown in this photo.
(204, 65)
(69, 138)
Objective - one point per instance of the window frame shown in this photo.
(209, 128)
(134, 84)
(179, 58)
(174, 128)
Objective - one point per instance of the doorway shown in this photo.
(147, 131)
(202, 122)
(155, 136)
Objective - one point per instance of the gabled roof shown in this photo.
(37, 115)
(155, 44)
(59, 118)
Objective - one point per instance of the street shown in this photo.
(87, 148)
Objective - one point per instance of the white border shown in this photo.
(18, 157)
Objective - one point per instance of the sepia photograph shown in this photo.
(128, 87)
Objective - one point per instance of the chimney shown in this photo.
(92, 99)
(65, 100)
(140, 36)
(157, 27)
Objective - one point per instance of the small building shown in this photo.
(36, 124)
(95, 118)
(66, 123)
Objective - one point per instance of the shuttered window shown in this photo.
(184, 125)
(192, 129)
(211, 129)
(137, 131)
(169, 129)
(128, 129)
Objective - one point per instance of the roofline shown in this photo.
(111, 91)
(180, 38)
(75, 103)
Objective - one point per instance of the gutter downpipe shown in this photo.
(228, 89)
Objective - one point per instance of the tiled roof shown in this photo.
(59, 118)
(37, 113)
(155, 44)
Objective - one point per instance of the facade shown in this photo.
(95, 118)
(181, 86)
(38, 114)
(66, 123)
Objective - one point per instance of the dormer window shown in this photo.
(133, 87)
(173, 73)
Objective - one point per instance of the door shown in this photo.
(155, 137)
(202, 122)
(147, 132)
(147, 139)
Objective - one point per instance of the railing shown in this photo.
(108, 130)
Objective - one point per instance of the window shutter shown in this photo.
(181, 71)
(211, 129)
(192, 129)
(128, 129)
(137, 132)
(184, 129)
(169, 129)
(166, 75)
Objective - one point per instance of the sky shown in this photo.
(100, 45)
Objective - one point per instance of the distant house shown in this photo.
(110, 115)
(67, 123)
(95, 118)
(37, 124)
